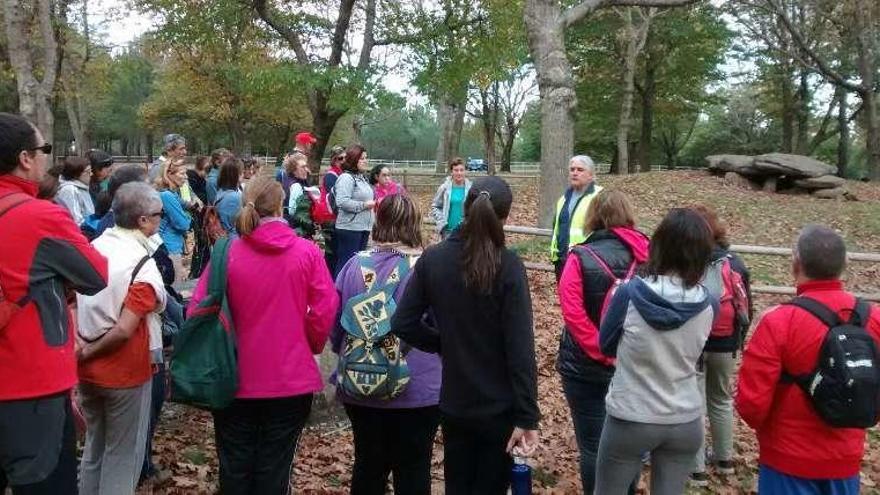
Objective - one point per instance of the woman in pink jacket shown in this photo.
(283, 303)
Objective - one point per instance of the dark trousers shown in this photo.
(586, 400)
(397, 441)
(38, 446)
(156, 403)
(256, 441)
(348, 243)
(475, 458)
(328, 232)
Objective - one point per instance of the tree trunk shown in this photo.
(787, 108)
(507, 148)
(357, 128)
(323, 123)
(489, 104)
(842, 132)
(867, 66)
(34, 95)
(450, 116)
(803, 114)
(648, 92)
(635, 36)
(546, 35)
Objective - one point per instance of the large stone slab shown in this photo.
(834, 193)
(740, 164)
(794, 166)
(823, 182)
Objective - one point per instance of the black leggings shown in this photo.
(397, 441)
(475, 457)
(256, 442)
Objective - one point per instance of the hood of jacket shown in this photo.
(665, 303)
(272, 236)
(636, 241)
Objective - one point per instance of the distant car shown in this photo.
(477, 165)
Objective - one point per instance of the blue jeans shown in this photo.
(348, 243)
(586, 400)
(771, 481)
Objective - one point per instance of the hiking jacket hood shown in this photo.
(43, 255)
(283, 303)
(657, 328)
(792, 438)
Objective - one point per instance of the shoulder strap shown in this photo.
(11, 200)
(217, 281)
(137, 268)
(604, 266)
(860, 313)
(823, 313)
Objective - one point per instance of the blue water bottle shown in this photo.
(520, 477)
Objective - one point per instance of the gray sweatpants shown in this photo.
(716, 383)
(672, 450)
(117, 421)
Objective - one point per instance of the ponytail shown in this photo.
(262, 198)
(486, 208)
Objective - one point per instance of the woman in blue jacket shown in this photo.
(176, 220)
(228, 200)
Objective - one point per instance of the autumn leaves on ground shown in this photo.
(185, 444)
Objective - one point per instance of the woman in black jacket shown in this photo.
(477, 293)
(613, 251)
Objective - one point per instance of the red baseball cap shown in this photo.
(305, 138)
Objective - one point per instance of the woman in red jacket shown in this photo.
(613, 251)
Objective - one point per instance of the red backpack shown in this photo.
(9, 308)
(212, 226)
(615, 281)
(725, 283)
(323, 209)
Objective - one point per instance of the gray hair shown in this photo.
(586, 161)
(171, 141)
(132, 201)
(820, 252)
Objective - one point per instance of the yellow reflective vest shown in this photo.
(576, 232)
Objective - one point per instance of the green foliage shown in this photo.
(685, 50)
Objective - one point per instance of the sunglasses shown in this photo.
(46, 149)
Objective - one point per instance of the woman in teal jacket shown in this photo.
(176, 220)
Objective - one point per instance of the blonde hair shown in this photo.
(292, 160)
(261, 198)
(163, 182)
(609, 209)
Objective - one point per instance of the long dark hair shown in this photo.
(682, 246)
(485, 209)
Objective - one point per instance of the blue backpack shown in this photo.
(372, 364)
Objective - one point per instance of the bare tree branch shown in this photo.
(818, 62)
(369, 36)
(343, 21)
(577, 12)
(290, 35)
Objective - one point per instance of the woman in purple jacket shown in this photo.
(392, 436)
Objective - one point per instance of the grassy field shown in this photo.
(185, 437)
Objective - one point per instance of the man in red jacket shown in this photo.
(44, 256)
(799, 452)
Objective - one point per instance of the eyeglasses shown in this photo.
(46, 149)
(157, 214)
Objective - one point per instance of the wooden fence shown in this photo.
(737, 248)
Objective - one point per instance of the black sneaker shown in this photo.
(724, 467)
(699, 480)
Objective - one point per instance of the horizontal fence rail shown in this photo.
(738, 248)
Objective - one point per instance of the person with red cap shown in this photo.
(304, 142)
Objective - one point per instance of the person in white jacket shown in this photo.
(118, 329)
(73, 190)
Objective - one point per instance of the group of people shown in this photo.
(428, 337)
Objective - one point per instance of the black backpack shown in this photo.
(844, 387)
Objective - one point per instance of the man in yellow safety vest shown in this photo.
(571, 210)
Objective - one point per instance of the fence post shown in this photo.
(404, 180)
